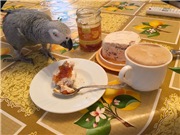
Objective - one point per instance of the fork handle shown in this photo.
(117, 86)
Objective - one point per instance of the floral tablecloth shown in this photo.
(117, 112)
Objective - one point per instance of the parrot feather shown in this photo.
(29, 27)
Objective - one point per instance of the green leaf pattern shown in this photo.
(5, 56)
(97, 119)
(122, 101)
(103, 130)
(151, 31)
(123, 6)
(175, 69)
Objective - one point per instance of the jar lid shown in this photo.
(87, 12)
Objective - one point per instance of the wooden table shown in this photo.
(150, 113)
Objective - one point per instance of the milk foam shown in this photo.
(149, 55)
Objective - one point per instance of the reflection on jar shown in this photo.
(89, 29)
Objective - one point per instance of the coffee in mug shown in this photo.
(146, 66)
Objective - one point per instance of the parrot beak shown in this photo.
(67, 44)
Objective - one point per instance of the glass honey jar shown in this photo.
(89, 29)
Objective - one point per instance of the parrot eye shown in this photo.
(55, 34)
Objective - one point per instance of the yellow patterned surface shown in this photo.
(16, 81)
(9, 128)
(169, 121)
(113, 22)
(90, 3)
(33, 133)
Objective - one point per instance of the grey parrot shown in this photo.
(28, 27)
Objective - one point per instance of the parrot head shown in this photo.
(67, 43)
(60, 34)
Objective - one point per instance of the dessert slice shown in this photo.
(115, 44)
(64, 79)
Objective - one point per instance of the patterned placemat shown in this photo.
(150, 113)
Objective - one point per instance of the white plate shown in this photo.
(88, 72)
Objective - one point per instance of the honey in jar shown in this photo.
(89, 29)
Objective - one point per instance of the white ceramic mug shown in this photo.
(143, 77)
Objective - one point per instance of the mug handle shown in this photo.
(122, 74)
